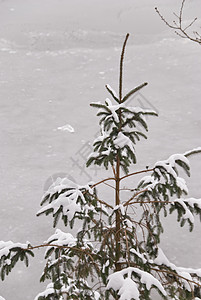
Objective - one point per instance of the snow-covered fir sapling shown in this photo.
(115, 253)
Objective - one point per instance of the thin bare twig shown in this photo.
(106, 179)
(101, 201)
(135, 195)
(178, 25)
(107, 184)
(135, 173)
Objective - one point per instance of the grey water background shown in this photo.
(55, 58)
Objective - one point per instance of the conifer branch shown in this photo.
(192, 152)
(176, 275)
(63, 247)
(134, 91)
(112, 93)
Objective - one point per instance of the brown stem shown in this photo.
(148, 202)
(135, 173)
(100, 201)
(135, 195)
(106, 179)
(117, 171)
(118, 217)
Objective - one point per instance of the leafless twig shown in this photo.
(179, 27)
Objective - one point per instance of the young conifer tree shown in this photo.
(115, 253)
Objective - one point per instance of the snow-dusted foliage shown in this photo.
(127, 287)
(164, 183)
(112, 140)
(114, 252)
(11, 253)
(70, 201)
(69, 287)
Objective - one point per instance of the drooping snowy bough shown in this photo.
(115, 250)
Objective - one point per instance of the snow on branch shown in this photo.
(49, 291)
(185, 274)
(165, 179)
(74, 287)
(112, 92)
(6, 247)
(163, 184)
(122, 141)
(121, 128)
(187, 213)
(193, 151)
(126, 283)
(61, 238)
(11, 253)
(169, 165)
(113, 109)
(140, 255)
(69, 200)
(189, 207)
(65, 239)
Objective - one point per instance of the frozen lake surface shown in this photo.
(55, 58)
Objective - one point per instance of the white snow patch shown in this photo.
(132, 250)
(181, 183)
(122, 140)
(185, 273)
(61, 238)
(6, 246)
(129, 290)
(66, 127)
(127, 286)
